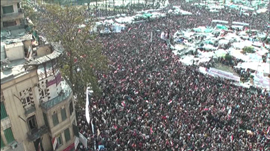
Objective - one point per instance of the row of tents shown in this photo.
(115, 24)
(199, 45)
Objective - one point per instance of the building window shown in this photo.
(45, 119)
(67, 134)
(32, 123)
(9, 135)
(49, 69)
(71, 108)
(9, 23)
(3, 111)
(2, 143)
(43, 91)
(59, 141)
(27, 98)
(8, 9)
(55, 119)
(18, 5)
(63, 114)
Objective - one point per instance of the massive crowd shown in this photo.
(151, 101)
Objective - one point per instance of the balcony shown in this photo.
(65, 95)
(13, 16)
(36, 133)
(30, 110)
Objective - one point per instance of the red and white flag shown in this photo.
(54, 142)
(123, 103)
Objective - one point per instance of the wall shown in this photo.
(14, 106)
(26, 44)
(14, 110)
(8, 2)
(43, 50)
(63, 125)
(15, 51)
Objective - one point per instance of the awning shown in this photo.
(222, 27)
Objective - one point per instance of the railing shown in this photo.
(63, 96)
(36, 133)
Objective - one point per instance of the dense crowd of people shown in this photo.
(151, 101)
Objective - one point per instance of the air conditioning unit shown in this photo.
(14, 145)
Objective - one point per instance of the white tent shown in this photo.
(260, 67)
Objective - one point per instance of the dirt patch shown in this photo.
(225, 68)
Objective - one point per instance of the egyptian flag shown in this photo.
(54, 142)
(123, 103)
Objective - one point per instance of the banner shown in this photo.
(76, 142)
(223, 74)
(87, 107)
(83, 140)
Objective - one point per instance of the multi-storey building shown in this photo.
(37, 105)
(11, 13)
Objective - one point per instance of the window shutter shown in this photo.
(59, 140)
(71, 108)
(9, 135)
(67, 134)
(55, 119)
(63, 114)
(3, 111)
(45, 119)
(8, 9)
(2, 143)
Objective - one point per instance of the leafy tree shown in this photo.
(83, 55)
(228, 57)
(248, 50)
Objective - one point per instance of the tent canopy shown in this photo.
(146, 15)
(221, 27)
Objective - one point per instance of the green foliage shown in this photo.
(228, 57)
(29, 11)
(82, 49)
(248, 50)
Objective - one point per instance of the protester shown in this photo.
(150, 101)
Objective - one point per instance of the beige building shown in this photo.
(37, 105)
(11, 14)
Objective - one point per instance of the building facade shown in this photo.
(11, 14)
(37, 104)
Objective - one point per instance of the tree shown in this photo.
(83, 55)
(248, 49)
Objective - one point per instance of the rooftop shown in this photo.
(14, 36)
(58, 49)
(18, 67)
(15, 68)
